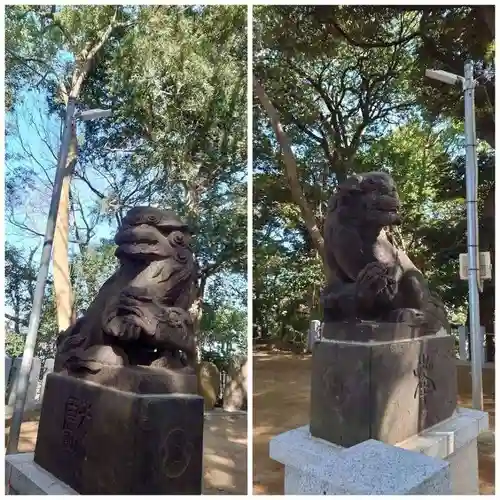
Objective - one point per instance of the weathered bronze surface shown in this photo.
(120, 414)
(369, 278)
(140, 316)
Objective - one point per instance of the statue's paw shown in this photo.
(407, 315)
(131, 331)
(123, 327)
(375, 283)
(373, 276)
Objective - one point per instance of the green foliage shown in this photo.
(223, 326)
(223, 334)
(14, 344)
(348, 83)
(29, 48)
(89, 270)
(286, 292)
(175, 78)
(20, 279)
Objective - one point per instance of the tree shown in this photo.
(348, 88)
(334, 98)
(20, 279)
(444, 38)
(175, 78)
(82, 33)
(177, 86)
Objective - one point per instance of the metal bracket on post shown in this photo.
(314, 334)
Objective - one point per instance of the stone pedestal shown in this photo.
(25, 477)
(99, 440)
(441, 460)
(236, 391)
(455, 440)
(385, 383)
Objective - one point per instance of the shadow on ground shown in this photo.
(281, 386)
(225, 450)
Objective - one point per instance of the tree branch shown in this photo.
(373, 45)
(291, 169)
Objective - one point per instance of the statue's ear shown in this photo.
(347, 188)
(351, 185)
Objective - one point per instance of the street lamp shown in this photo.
(92, 114)
(444, 76)
(22, 379)
(468, 85)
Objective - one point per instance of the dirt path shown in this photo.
(225, 450)
(281, 402)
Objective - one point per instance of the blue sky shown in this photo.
(33, 146)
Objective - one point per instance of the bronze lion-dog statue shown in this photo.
(369, 278)
(140, 316)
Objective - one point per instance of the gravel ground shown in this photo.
(225, 450)
(281, 384)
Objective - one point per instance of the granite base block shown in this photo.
(316, 466)
(25, 477)
(370, 468)
(100, 440)
(455, 440)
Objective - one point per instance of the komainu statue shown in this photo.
(140, 316)
(369, 277)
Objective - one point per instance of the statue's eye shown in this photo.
(370, 184)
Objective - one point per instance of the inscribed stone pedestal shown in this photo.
(32, 381)
(49, 368)
(208, 383)
(235, 392)
(102, 441)
(384, 390)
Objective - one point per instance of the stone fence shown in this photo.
(36, 381)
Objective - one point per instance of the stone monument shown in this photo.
(384, 369)
(386, 343)
(121, 414)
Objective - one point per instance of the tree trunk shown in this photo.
(196, 312)
(291, 170)
(62, 282)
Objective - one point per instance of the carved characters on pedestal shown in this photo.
(77, 418)
(425, 383)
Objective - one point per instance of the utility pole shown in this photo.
(22, 379)
(473, 236)
(474, 279)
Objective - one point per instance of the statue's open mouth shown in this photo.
(389, 216)
(388, 209)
